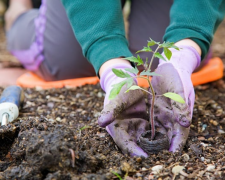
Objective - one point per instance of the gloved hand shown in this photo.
(175, 118)
(125, 115)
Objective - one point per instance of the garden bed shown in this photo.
(57, 137)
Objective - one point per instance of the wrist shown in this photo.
(108, 78)
(112, 63)
(189, 42)
(186, 58)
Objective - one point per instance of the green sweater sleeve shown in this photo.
(99, 28)
(195, 19)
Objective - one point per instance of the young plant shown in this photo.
(146, 74)
(117, 175)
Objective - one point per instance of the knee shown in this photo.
(16, 8)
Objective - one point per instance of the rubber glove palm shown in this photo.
(175, 118)
(124, 116)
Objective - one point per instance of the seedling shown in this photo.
(117, 175)
(146, 74)
(84, 127)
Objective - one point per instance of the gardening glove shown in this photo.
(175, 118)
(125, 116)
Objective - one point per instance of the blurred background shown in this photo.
(8, 61)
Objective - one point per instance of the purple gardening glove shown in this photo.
(175, 118)
(125, 115)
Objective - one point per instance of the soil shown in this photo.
(158, 144)
(56, 137)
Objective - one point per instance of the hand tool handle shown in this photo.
(10, 101)
(12, 94)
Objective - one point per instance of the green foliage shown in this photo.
(120, 73)
(168, 45)
(167, 53)
(116, 89)
(134, 87)
(84, 127)
(129, 82)
(117, 175)
(149, 73)
(145, 49)
(132, 70)
(175, 97)
(151, 43)
(158, 55)
(137, 60)
(128, 78)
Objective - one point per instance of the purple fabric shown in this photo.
(108, 78)
(172, 117)
(125, 116)
(32, 57)
(204, 61)
(185, 62)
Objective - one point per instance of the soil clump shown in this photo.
(160, 142)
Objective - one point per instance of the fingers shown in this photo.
(179, 137)
(182, 114)
(125, 135)
(171, 81)
(124, 105)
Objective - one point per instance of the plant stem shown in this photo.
(153, 55)
(152, 111)
(152, 121)
(148, 83)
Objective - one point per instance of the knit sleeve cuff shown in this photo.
(107, 48)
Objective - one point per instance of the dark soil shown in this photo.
(158, 144)
(56, 137)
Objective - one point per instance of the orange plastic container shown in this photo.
(210, 72)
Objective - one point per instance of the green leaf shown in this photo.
(175, 47)
(167, 53)
(116, 89)
(175, 97)
(158, 55)
(137, 60)
(167, 44)
(134, 87)
(129, 82)
(151, 40)
(145, 49)
(140, 61)
(132, 70)
(117, 175)
(85, 127)
(120, 73)
(151, 43)
(149, 73)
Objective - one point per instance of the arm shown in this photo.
(99, 28)
(195, 20)
(192, 25)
